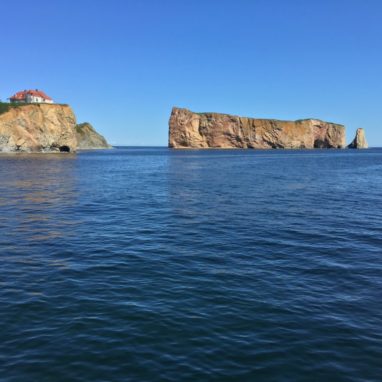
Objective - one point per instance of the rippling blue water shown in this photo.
(158, 265)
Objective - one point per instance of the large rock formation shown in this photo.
(359, 141)
(37, 127)
(88, 138)
(213, 130)
(44, 128)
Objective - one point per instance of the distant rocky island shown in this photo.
(188, 129)
(31, 122)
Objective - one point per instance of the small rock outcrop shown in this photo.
(212, 130)
(88, 138)
(37, 128)
(359, 142)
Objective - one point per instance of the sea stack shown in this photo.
(359, 141)
(213, 130)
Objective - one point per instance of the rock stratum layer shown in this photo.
(88, 138)
(38, 127)
(212, 130)
(43, 128)
(359, 142)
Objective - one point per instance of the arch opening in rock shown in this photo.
(64, 149)
(319, 144)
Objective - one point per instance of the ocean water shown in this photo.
(145, 264)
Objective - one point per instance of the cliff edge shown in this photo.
(48, 128)
(213, 130)
(37, 128)
(88, 138)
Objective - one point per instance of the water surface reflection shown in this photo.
(38, 198)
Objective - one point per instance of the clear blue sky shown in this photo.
(123, 64)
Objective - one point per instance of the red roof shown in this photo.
(20, 96)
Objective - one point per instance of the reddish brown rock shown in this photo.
(212, 130)
(45, 128)
(37, 128)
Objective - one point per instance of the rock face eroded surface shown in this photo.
(88, 138)
(359, 141)
(212, 130)
(38, 128)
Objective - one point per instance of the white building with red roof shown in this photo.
(31, 96)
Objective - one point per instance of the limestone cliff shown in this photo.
(45, 128)
(37, 128)
(212, 130)
(359, 141)
(88, 138)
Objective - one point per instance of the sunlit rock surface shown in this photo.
(213, 130)
(359, 142)
(37, 128)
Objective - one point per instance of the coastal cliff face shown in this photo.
(45, 128)
(37, 128)
(88, 138)
(359, 141)
(212, 130)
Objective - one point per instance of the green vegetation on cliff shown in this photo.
(81, 126)
(88, 138)
(6, 106)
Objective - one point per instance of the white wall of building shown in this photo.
(35, 99)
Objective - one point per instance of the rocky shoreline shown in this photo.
(192, 130)
(89, 139)
(52, 128)
(45, 128)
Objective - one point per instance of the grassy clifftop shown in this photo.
(6, 106)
